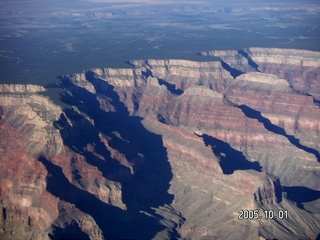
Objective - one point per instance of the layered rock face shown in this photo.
(29, 211)
(295, 109)
(167, 149)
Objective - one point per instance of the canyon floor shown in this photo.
(166, 149)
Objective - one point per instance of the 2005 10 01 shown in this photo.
(267, 214)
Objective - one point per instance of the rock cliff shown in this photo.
(167, 149)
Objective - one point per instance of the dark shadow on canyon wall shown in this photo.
(229, 158)
(251, 113)
(301, 195)
(144, 188)
(250, 61)
(234, 72)
(114, 222)
(171, 87)
(71, 231)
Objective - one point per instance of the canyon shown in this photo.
(166, 149)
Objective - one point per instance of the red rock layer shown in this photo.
(28, 209)
(286, 105)
(205, 111)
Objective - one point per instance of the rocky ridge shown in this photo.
(167, 149)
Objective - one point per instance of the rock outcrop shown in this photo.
(167, 149)
(21, 88)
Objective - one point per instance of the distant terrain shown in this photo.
(42, 39)
(167, 149)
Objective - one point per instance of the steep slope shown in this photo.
(166, 149)
(27, 132)
(292, 108)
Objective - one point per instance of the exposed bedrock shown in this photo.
(280, 102)
(206, 111)
(300, 67)
(125, 152)
(28, 209)
(166, 149)
(182, 74)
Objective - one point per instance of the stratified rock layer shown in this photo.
(167, 149)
